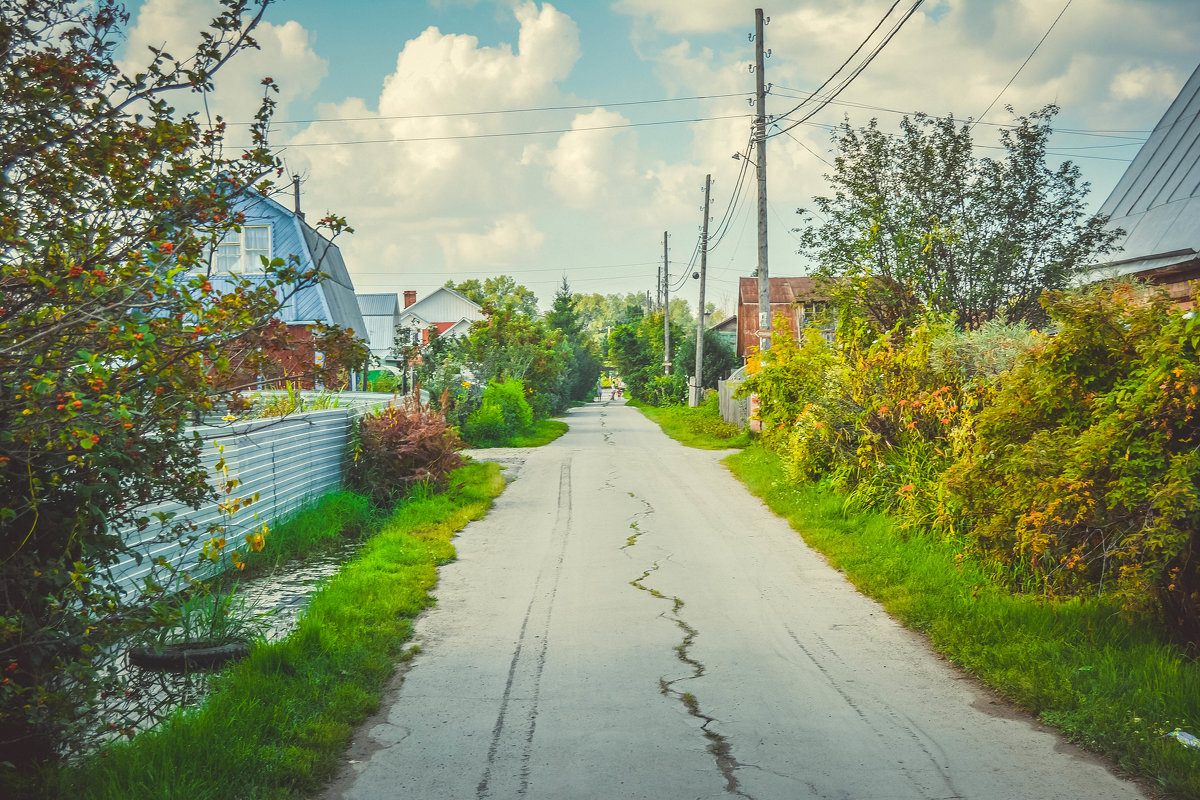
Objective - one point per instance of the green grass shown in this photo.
(316, 527)
(543, 431)
(1110, 683)
(700, 427)
(278, 721)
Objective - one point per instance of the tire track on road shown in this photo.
(903, 723)
(899, 724)
(506, 770)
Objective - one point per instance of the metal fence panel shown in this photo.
(286, 461)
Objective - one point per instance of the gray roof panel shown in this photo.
(1157, 201)
(379, 305)
(337, 285)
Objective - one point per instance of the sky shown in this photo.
(603, 118)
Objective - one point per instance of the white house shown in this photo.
(444, 309)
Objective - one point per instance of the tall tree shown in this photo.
(584, 367)
(501, 291)
(111, 333)
(917, 221)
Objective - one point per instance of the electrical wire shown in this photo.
(501, 110)
(512, 133)
(809, 149)
(1104, 133)
(736, 205)
(849, 58)
(493, 270)
(1026, 61)
(719, 230)
(846, 81)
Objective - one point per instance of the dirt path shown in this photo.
(629, 622)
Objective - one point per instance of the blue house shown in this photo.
(272, 231)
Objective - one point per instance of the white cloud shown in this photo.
(1144, 81)
(688, 16)
(587, 165)
(510, 240)
(285, 54)
(444, 203)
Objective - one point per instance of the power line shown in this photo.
(841, 86)
(512, 133)
(500, 110)
(1104, 133)
(1026, 61)
(493, 270)
(809, 149)
(834, 74)
(1054, 151)
(723, 226)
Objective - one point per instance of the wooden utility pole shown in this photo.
(760, 141)
(697, 387)
(666, 292)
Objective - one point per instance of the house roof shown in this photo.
(379, 305)
(728, 324)
(336, 283)
(446, 304)
(460, 328)
(1157, 200)
(783, 290)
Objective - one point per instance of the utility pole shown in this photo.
(697, 388)
(760, 141)
(658, 284)
(666, 272)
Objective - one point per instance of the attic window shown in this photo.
(243, 251)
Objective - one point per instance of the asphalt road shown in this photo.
(628, 622)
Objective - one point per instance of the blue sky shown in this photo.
(592, 203)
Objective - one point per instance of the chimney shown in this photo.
(410, 297)
(296, 193)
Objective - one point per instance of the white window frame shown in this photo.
(248, 260)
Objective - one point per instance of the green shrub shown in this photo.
(385, 382)
(399, 447)
(1083, 475)
(983, 353)
(486, 426)
(503, 413)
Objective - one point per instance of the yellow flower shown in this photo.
(229, 417)
(466, 384)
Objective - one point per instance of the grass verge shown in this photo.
(278, 721)
(543, 431)
(315, 527)
(1107, 682)
(700, 427)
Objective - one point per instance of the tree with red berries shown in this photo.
(112, 335)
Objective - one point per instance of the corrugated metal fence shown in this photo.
(734, 410)
(287, 461)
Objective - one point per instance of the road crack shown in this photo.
(718, 746)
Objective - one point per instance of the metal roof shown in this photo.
(1157, 200)
(783, 290)
(336, 283)
(379, 305)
